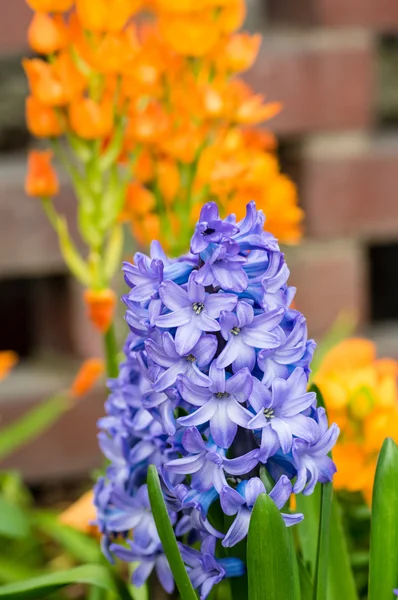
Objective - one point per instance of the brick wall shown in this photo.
(325, 60)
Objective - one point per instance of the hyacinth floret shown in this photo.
(213, 391)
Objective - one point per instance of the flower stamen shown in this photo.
(197, 307)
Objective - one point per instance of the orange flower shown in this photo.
(190, 35)
(81, 514)
(100, 308)
(139, 202)
(47, 34)
(253, 111)
(361, 395)
(106, 15)
(43, 121)
(50, 6)
(149, 125)
(7, 360)
(143, 169)
(88, 374)
(147, 229)
(240, 52)
(41, 179)
(54, 84)
(91, 120)
(232, 16)
(168, 179)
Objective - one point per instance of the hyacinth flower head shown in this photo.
(213, 391)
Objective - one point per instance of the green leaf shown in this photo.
(269, 559)
(322, 556)
(306, 586)
(32, 424)
(40, 587)
(70, 254)
(14, 522)
(340, 579)
(13, 569)
(75, 543)
(167, 537)
(113, 252)
(383, 567)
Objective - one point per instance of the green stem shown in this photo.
(112, 367)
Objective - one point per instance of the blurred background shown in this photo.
(334, 65)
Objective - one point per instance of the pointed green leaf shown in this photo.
(322, 556)
(269, 559)
(32, 424)
(306, 586)
(340, 579)
(167, 537)
(40, 587)
(383, 567)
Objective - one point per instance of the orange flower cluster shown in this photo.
(361, 395)
(161, 95)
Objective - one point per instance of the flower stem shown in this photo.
(111, 352)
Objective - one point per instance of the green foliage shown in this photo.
(269, 557)
(383, 568)
(166, 534)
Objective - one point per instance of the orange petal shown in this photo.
(80, 514)
(88, 375)
(47, 34)
(353, 353)
(41, 179)
(100, 307)
(43, 121)
(7, 360)
(50, 6)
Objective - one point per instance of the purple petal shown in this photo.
(204, 414)
(230, 500)
(187, 464)
(253, 489)
(230, 352)
(192, 441)
(245, 314)
(228, 321)
(245, 359)
(217, 377)
(241, 464)
(327, 441)
(238, 414)
(269, 443)
(293, 406)
(169, 377)
(222, 429)
(292, 519)
(260, 397)
(196, 292)
(284, 434)
(238, 530)
(281, 492)
(164, 574)
(195, 395)
(215, 303)
(302, 427)
(205, 323)
(173, 296)
(187, 336)
(230, 276)
(142, 572)
(240, 385)
(259, 338)
(175, 319)
(205, 350)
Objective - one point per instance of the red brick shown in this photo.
(69, 448)
(14, 22)
(376, 14)
(330, 278)
(349, 187)
(324, 79)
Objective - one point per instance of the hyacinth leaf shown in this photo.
(383, 567)
(32, 424)
(306, 586)
(40, 587)
(167, 537)
(296, 574)
(340, 578)
(269, 557)
(322, 555)
(14, 523)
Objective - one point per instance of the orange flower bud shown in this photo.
(53, 6)
(41, 179)
(54, 84)
(91, 120)
(253, 111)
(47, 34)
(100, 307)
(80, 515)
(143, 169)
(88, 374)
(232, 16)
(139, 202)
(43, 121)
(106, 15)
(7, 360)
(150, 124)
